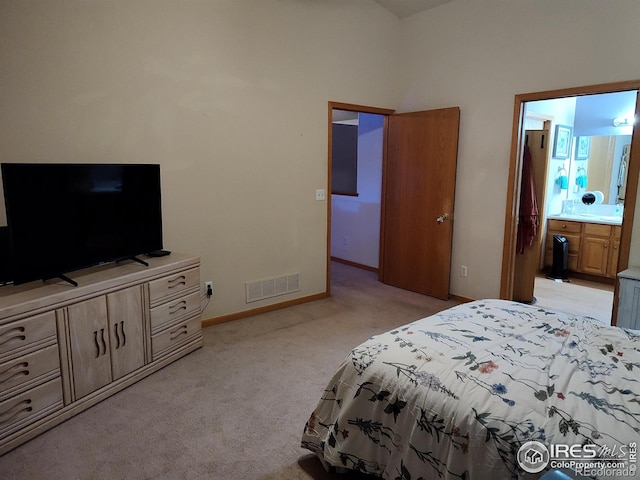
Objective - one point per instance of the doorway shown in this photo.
(515, 175)
(415, 145)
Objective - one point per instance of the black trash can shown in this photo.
(559, 268)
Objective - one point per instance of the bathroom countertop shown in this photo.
(585, 218)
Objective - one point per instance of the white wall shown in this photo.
(479, 55)
(355, 221)
(229, 96)
(563, 112)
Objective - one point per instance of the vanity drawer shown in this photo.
(597, 230)
(167, 313)
(22, 333)
(28, 368)
(170, 339)
(168, 286)
(564, 226)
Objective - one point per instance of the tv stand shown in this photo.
(67, 279)
(71, 348)
(139, 260)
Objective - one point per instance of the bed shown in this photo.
(457, 394)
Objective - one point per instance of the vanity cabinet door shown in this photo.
(594, 255)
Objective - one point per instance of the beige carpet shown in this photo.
(234, 409)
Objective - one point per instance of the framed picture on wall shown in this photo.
(583, 146)
(562, 141)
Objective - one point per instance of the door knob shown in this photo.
(442, 217)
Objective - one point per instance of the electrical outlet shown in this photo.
(463, 270)
(208, 287)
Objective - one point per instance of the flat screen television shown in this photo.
(64, 217)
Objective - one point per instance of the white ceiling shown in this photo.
(406, 8)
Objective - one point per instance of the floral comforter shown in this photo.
(455, 395)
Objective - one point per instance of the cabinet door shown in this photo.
(89, 340)
(614, 252)
(594, 255)
(126, 331)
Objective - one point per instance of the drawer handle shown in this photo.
(102, 343)
(21, 368)
(13, 334)
(176, 307)
(120, 342)
(177, 332)
(177, 282)
(124, 336)
(15, 410)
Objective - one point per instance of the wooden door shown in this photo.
(527, 264)
(89, 339)
(419, 189)
(126, 331)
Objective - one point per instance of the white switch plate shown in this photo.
(321, 194)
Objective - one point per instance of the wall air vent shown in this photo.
(272, 287)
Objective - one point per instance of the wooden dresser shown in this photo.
(65, 348)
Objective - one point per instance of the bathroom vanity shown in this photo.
(594, 243)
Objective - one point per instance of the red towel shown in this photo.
(528, 218)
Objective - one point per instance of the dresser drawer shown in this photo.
(29, 406)
(21, 333)
(26, 369)
(170, 285)
(561, 226)
(170, 339)
(171, 312)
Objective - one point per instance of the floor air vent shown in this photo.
(272, 287)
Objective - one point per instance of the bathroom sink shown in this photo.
(611, 218)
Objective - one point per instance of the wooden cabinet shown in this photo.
(106, 339)
(174, 301)
(64, 349)
(593, 247)
(30, 379)
(571, 231)
(629, 299)
(599, 249)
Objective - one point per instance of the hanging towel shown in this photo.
(528, 216)
(582, 181)
(563, 181)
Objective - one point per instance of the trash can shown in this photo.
(560, 258)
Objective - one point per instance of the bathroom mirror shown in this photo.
(599, 163)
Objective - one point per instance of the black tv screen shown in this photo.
(63, 217)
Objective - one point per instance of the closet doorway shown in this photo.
(509, 268)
